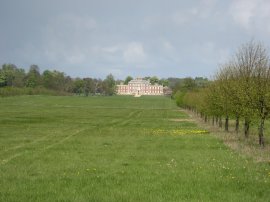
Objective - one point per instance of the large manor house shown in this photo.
(140, 87)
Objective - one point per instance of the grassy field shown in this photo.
(117, 149)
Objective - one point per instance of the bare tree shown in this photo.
(252, 67)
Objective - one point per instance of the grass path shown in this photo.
(111, 149)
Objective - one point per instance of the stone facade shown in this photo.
(139, 87)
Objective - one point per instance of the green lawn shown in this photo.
(117, 149)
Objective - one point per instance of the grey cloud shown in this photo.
(127, 37)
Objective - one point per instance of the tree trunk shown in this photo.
(261, 130)
(220, 122)
(237, 124)
(205, 119)
(246, 127)
(216, 120)
(213, 120)
(227, 123)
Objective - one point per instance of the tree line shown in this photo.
(14, 80)
(13, 77)
(240, 91)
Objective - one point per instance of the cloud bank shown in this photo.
(139, 38)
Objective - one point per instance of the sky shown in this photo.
(164, 38)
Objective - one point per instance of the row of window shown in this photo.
(152, 91)
(124, 87)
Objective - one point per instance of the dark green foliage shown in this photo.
(179, 98)
(2, 79)
(109, 85)
(201, 82)
(33, 78)
(184, 87)
(54, 81)
(78, 86)
(89, 86)
(154, 80)
(10, 75)
(128, 79)
(174, 82)
(163, 82)
(187, 84)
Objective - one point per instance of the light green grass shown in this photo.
(106, 149)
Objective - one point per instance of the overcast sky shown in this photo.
(166, 38)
